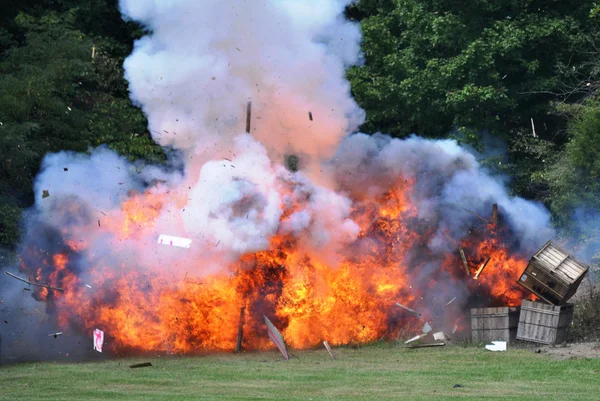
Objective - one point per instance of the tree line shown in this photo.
(521, 73)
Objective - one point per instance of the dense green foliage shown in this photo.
(55, 96)
(438, 68)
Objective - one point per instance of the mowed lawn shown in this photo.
(377, 372)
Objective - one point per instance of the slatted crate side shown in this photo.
(542, 323)
(489, 324)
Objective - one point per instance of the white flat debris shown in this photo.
(174, 241)
(496, 346)
(439, 336)
(98, 338)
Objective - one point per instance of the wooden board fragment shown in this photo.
(248, 115)
(464, 260)
(326, 344)
(483, 265)
(276, 337)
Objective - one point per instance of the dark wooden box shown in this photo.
(553, 274)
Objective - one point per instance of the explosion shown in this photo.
(324, 252)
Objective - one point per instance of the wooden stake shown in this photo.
(464, 260)
(240, 334)
(481, 268)
(248, 115)
(93, 51)
(495, 214)
(310, 115)
(326, 344)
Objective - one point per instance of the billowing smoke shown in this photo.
(192, 75)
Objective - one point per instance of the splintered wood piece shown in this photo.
(414, 312)
(464, 260)
(483, 265)
(415, 338)
(310, 115)
(495, 214)
(427, 345)
(248, 115)
(326, 344)
(45, 193)
(449, 302)
(140, 365)
(276, 337)
(36, 284)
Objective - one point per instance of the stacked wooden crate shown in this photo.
(493, 324)
(543, 323)
(554, 276)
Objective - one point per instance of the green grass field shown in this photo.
(377, 372)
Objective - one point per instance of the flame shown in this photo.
(308, 298)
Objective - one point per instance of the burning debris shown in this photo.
(414, 312)
(31, 283)
(483, 265)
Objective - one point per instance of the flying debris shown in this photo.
(326, 344)
(415, 338)
(30, 283)
(45, 193)
(276, 337)
(55, 334)
(98, 338)
(483, 265)
(449, 302)
(175, 241)
(414, 312)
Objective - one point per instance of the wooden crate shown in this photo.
(553, 274)
(543, 323)
(494, 324)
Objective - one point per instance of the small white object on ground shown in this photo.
(496, 346)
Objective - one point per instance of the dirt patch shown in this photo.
(572, 351)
